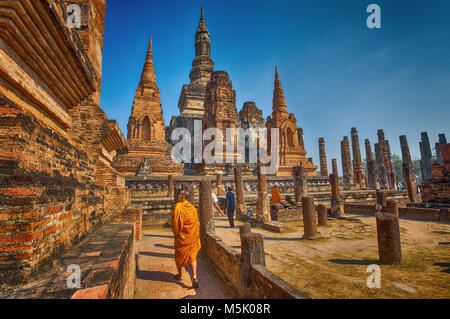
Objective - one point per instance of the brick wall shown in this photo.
(265, 285)
(226, 264)
(107, 265)
(47, 193)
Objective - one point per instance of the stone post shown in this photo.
(393, 173)
(371, 167)
(300, 183)
(392, 207)
(426, 156)
(382, 173)
(205, 212)
(241, 208)
(334, 167)
(252, 253)
(358, 168)
(190, 188)
(219, 184)
(347, 170)
(323, 158)
(337, 204)
(309, 218)
(389, 244)
(263, 203)
(244, 229)
(322, 215)
(176, 193)
(170, 192)
(381, 200)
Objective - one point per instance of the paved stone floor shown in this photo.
(156, 270)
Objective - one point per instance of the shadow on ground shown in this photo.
(447, 271)
(159, 276)
(354, 262)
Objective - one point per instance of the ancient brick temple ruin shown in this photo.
(290, 151)
(146, 129)
(437, 190)
(57, 183)
(220, 113)
(251, 117)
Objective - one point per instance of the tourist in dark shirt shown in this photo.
(229, 206)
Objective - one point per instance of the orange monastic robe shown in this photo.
(276, 196)
(186, 231)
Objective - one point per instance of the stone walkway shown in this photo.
(156, 270)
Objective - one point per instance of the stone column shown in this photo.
(219, 184)
(393, 173)
(263, 203)
(334, 167)
(392, 207)
(170, 192)
(241, 208)
(382, 173)
(408, 169)
(358, 168)
(205, 213)
(347, 170)
(252, 253)
(176, 193)
(381, 200)
(385, 158)
(389, 244)
(323, 158)
(191, 190)
(245, 229)
(371, 167)
(300, 183)
(322, 215)
(426, 156)
(337, 204)
(309, 218)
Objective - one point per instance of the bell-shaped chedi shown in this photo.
(147, 130)
(291, 153)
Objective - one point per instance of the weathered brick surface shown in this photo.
(266, 285)
(56, 144)
(107, 264)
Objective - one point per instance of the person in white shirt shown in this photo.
(215, 204)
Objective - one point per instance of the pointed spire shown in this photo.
(202, 25)
(148, 73)
(279, 103)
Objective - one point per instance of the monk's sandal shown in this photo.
(195, 283)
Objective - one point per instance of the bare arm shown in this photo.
(218, 208)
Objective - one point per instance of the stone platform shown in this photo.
(107, 263)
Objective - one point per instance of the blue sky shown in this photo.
(336, 73)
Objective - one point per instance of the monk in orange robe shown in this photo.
(186, 231)
(276, 196)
